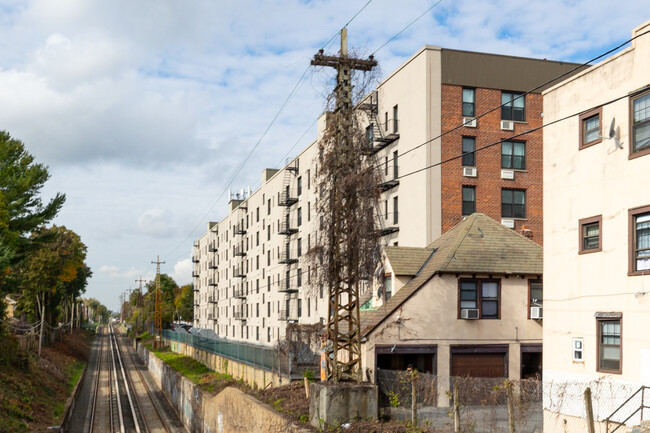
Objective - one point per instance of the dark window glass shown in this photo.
(513, 155)
(590, 236)
(469, 200)
(513, 203)
(513, 106)
(591, 129)
(469, 155)
(468, 102)
(641, 123)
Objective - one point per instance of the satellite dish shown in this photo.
(612, 134)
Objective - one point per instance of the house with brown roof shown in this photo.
(466, 309)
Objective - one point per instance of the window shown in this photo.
(299, 307)
(639, 241)
(513, 203)
(268, 207)
(299, 216)
(480, 294)
(257, 239)
(308, 211)
(609, 342)
(513, 155)
(641, 125)
(469, 147)
(300, 185)
(513, 106)
(535, 294)
(578, 350)
(257, 212)
(395, 210)
(468, 102)
(308, 179)
(469, 200)
(590, 237)
(299, 247)
(388, 285)
(395, 166)
(590, 128)
(395, 121)
(299, 278)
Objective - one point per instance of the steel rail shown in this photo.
(127, 386)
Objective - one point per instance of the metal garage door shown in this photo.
(478, 364)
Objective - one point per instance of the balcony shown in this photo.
(239, 229)
(195, 259)
(287, 228)
(212, 248)
(389, 178)
(195, 275)
(240, 315)
(381, 135)
(212, 282)
(288, 285)
(239, 273)
(288, 197)
(239, 251)
(286, 256)
(240, 293)
(390, 224)
(287, 315)
(212, 264)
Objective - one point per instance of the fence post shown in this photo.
(511, 407)
(414, 396)
(590, 411)
(456, 408)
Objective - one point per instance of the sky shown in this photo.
(144, 111)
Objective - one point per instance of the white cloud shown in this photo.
(182, 272)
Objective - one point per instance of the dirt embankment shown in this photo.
(33, 390)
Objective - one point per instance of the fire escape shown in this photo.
(213, 279)
(288, 227)
(240, 249)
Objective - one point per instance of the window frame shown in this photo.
(615, 317)
(512, 155)
(479, 296)
(582, 123)
(473, 103)
(463, 201)
(633, 97)
(514, 95)
(541, 303)
(632, 215)
(512, 204)
(581, 235)
(471, 154)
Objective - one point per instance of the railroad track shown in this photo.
(122, 402)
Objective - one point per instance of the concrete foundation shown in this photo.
(334, 404)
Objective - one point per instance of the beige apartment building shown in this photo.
(597, 239)
(251, 276)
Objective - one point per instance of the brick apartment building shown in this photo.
(251, 276)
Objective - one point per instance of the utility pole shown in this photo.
(158, 307)
(343, 323)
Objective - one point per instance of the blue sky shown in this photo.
(143, 110)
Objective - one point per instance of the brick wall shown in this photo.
(488, 182)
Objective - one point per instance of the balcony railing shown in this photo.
(212, 282)
(239, 251)
(288, 197)
(288, 227)
(288, 285)
(212, 247)
(287, 315)
(195, 259)
(240, 293)
(239, 272)
(240, 229)
(389, 177)
(381, 135)
(240, 315)
(390, 223)
(212, 264)
(195, 275)
(287, 256)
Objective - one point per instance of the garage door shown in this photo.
(478, 364)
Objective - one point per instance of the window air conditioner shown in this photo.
(508, 223)
(507, 125)
(469, 313)
(469, 122)
(469, 171)
(536, 313)
(507, 174)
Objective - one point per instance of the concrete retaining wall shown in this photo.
(254, 376)
(230, 411)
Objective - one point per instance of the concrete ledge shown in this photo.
(334, 404)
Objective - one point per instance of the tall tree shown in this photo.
(22, 211)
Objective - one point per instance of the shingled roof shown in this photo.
(406, 260)
(477, 245)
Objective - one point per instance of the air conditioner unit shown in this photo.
(469, 171)
(507, 174)
(508, 223)
(469, 313)
(507, 125)
(470, 122)
(536, 313)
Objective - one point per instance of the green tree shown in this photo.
(184, 302)
(22, 211)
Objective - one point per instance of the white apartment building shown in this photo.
(597, 240)
(251, 274)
